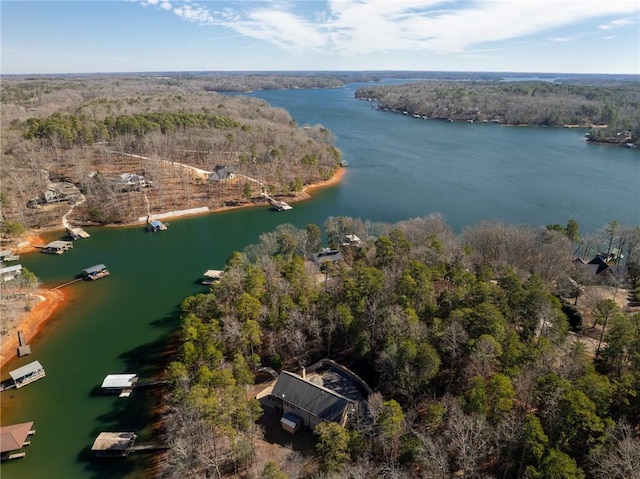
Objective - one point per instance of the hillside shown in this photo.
(76, 136)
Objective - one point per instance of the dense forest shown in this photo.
(482, 364)
(611, 110)
(82, 134)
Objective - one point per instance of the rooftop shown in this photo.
(119, 381)
(25, 370)
(13, 437)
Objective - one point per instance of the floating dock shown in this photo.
(77, 233)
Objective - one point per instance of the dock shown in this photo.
(278, 205)
(94, 272)
(120, 384)
(113, 444)
(212, 275)
(27, 374)
(77, 233)
(57, 247)
(13, 439)
(157, 226)
(23, 348)
(121, 444)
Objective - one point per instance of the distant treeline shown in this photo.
(613, 108)
(80, 130)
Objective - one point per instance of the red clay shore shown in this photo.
(51, 301)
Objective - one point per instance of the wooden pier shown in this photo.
(67, 283)
(23, 348)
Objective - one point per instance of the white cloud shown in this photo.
(366, 26)
(621, 22)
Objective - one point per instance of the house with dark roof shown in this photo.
(327, 255)
(222, 173)
(310, 402)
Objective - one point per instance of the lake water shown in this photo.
(400, 167)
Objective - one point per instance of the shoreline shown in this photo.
(53, 300)
(50, 301)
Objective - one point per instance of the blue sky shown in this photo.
(564, 36)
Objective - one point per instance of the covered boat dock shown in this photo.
(94, 272)
(58, 247)
(13, 438)
(27, 374)
(121, 384)
(113, 444)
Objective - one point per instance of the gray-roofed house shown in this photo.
(312, 403)
(222, 173)
(327, 255)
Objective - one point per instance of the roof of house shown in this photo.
(310, 397)
(12, 437)
(119, 381)
(332, 255)
(5, 252)
(25, 370)
(222, 173)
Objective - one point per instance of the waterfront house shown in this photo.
(55, 193)
(222, 173)
(132, 181)
(310, 402)
(27, 374)
(327, 256)
(13, 438)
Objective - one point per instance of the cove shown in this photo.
(400, 168)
